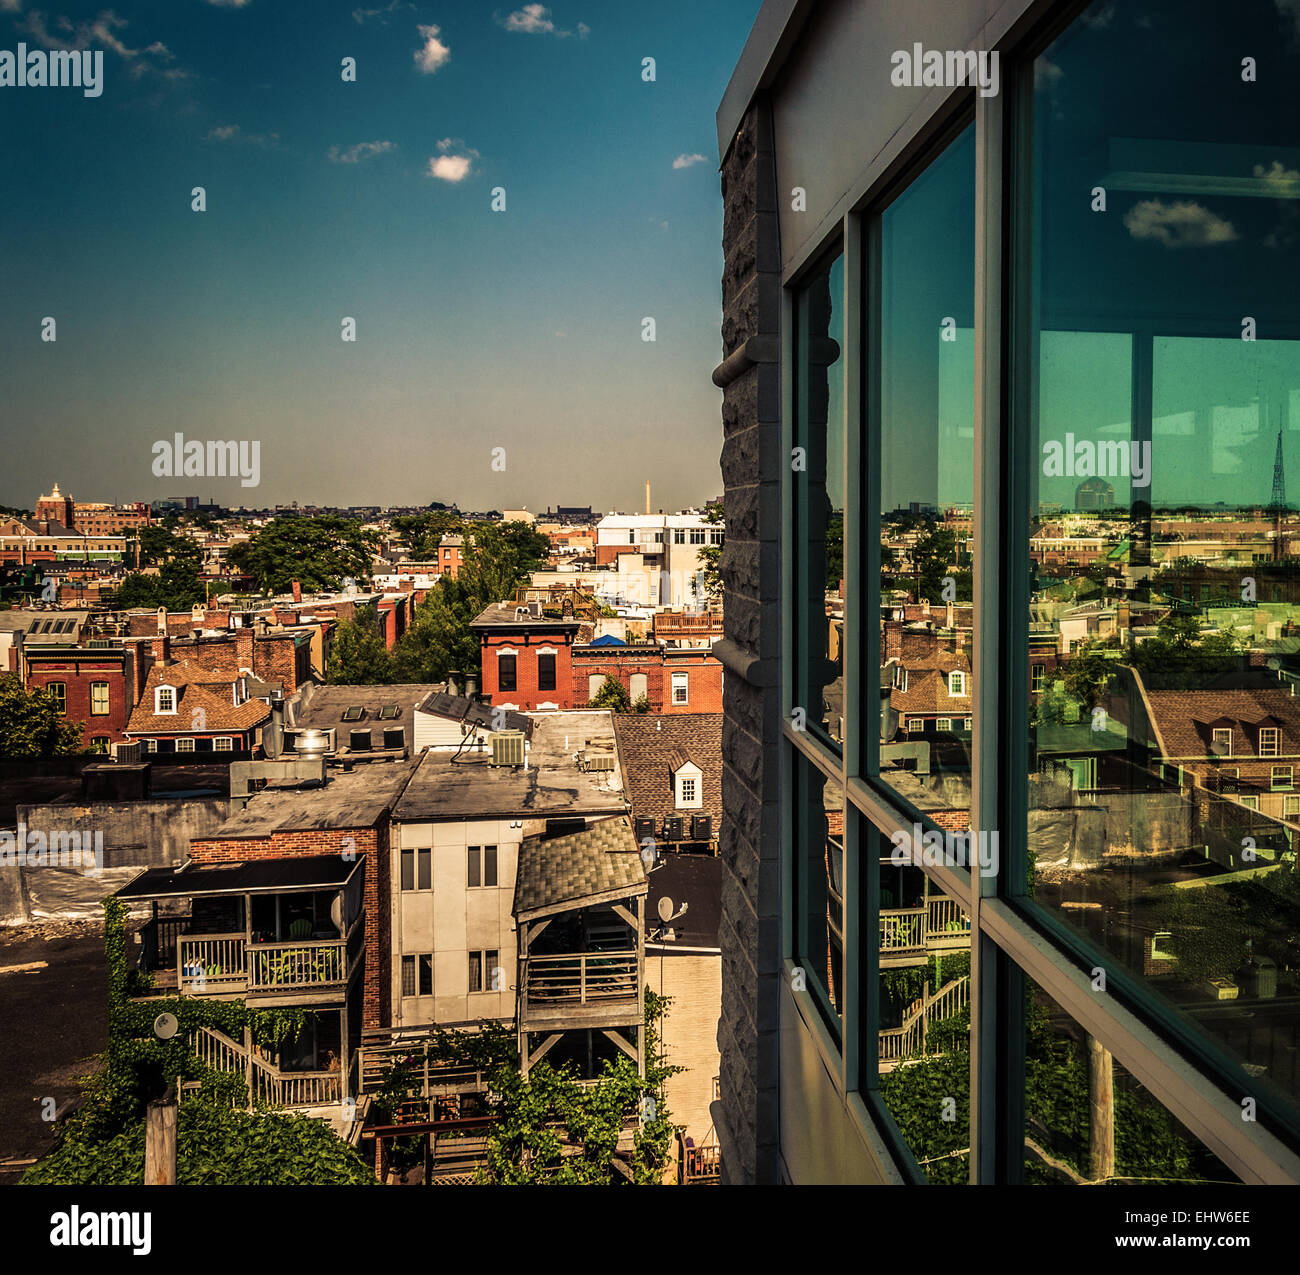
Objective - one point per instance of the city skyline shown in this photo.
(328, 199)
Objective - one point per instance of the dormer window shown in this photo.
(1223, 741)
(1268, 741)
(688, 784)
(900, 678)
(957, 683)
(164, 699)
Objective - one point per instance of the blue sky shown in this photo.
(476, 329)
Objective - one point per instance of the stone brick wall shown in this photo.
(745, 1116)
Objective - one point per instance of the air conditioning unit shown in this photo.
(673, 827)
(701, 827)
(507, 747)
(644, 828)
(128, 751)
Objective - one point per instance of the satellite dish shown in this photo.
(164, 1026)
(665, 908)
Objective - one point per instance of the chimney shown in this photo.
(244, 648)
(647, 496)
(297, 591)
(161, 648)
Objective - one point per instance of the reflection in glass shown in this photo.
(1164, 546)
(1088, 1122)
(818, 502)
(926, 470)
(819, 933)
(924, 1040)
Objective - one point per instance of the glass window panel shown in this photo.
(408, 869)
(819, 930)
(923, 1049)
(1163, 540)
(1089, 1122)
(925, 471)
(408, 976)
(475, 877)
(426, 975)
(489, 865)
(476, 971)
(818, 501)
(424, 878)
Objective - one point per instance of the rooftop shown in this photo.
(357, 799)
(308, 872)
(599, 864)
(551, 783)
(650, 747)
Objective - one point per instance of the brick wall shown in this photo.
(746, 1116)
(376, 1001)
(703, 669)
(526, 646)
(76, 676)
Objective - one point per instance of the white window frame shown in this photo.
(1270, 741)
(915, 725)
(958, 679)
(1216, 735)
(159, 710)
(943, 724)
(223, 744)
(108, 700)
(185, 745)
(1281, 777)
(681, 681)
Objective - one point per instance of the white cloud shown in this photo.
(99, 33)
(1185, 224)
(450, 168)
(1278, 177)
(533, 19)
(229, 4)
(362, 150)
(433, 53)
(233, 133)
(382, 13)
(10, 6)
(687, 161)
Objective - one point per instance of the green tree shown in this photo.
(933, 561)
(422, 532)
(319, 552)
(497, 559)
(710, 555)
(613, 695)
(358, 656)
(31, 724)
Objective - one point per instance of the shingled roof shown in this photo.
(197, 688)
(599, 864)
(1186, 720)
(651, 748)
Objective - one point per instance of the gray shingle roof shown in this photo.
(600, 860)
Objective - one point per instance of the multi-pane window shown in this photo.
(1268, 737)
(545, 672)
(59, 691)
(681, 688)
(506, 672)
(99, 699)
(482, 866)
(417, 974)
(485, 973)
(224, 744)
(417, 868)
(697, 535)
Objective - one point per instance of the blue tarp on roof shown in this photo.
(608, 640)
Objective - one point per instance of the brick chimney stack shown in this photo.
(297, 591)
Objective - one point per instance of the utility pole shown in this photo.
(160, 1140)
(1101, 1110)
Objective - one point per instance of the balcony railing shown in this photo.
(216, 964)
(580, 978)
(269, 1084)
(897, 1044)
(940, 926)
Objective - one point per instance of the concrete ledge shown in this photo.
(758, 349)
(745, 664)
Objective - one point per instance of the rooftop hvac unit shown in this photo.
(701, 827)
(673, 827)
(507, 747)
(128, 751)
(644, 828)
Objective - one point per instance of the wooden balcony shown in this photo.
(232, 965)
(909, 935)
(910, 1040)
(580, 989)
(265, 1082)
